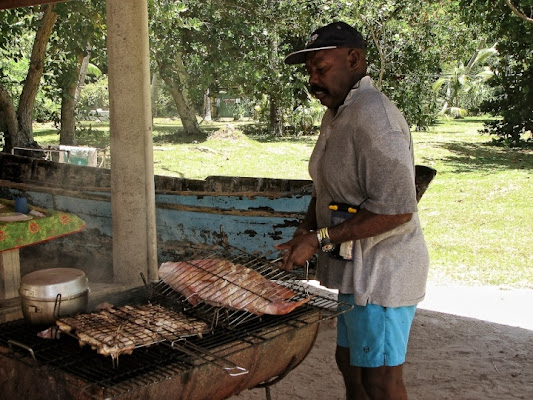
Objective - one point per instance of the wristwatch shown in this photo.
(324, 241)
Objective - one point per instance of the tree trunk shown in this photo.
(8, 118)
(68, 120)
(207, 106)
(180, 94)
(69, 99)
(187, 116)
(276, 122)
(276, 118)
(24, 135)
(382, 60)
(83, 73)
(154, 91)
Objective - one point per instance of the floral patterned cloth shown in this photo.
(44, 225)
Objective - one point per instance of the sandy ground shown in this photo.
(467, 343)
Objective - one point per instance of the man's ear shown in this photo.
(356, 59)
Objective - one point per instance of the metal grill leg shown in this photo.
(267, 392)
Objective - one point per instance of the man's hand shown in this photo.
(300, 231)
(298, 250)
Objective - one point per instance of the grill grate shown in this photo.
(145, 366)
(148, 364)
(229, 332)
(208, 277)
(115, 331)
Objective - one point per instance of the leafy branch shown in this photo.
(518, 13)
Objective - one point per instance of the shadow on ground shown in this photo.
(469, 157)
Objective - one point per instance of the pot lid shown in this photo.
(48, 283)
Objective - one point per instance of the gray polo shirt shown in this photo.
(364, 156)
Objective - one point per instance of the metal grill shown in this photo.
(115, 331)
(208, 276)
(169, 352)
(98, 378)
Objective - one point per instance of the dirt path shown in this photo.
(466, 344)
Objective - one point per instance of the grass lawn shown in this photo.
(477, 214)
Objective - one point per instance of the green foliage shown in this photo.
(13, 71)
(236, 45)
(79, 22)
(165, 106)
(46, 109)
(463, 86)
(305, 120)
(513, 78)
(240, 45)
(513, 101)
(94, 95)
(17, 32)
(80, 28)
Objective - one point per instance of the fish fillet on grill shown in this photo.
(222, 283)
(116, 331)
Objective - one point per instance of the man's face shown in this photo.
(330, 76)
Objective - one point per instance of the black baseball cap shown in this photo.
(332, 36)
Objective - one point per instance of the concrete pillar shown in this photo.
(132, 172)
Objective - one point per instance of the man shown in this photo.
(362, 219)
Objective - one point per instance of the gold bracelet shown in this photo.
(324, 240)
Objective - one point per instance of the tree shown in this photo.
(264, 40)
(236, 45)
(80, 28)
(18, 119)
(518, 13)
(462, 81)
(408, 42)
(513, 73)
(232, 44)
(201, 47)
(167, 25)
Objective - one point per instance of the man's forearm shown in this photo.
(366, 224)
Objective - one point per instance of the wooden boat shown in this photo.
(251, 214)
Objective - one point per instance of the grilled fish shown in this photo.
(116, 331)
(222, 283)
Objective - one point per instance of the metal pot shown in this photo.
(48, 294)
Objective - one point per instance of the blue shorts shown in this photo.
(375, 335)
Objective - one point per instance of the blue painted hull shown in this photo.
(247, 213)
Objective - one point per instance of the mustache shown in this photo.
(314, 89)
